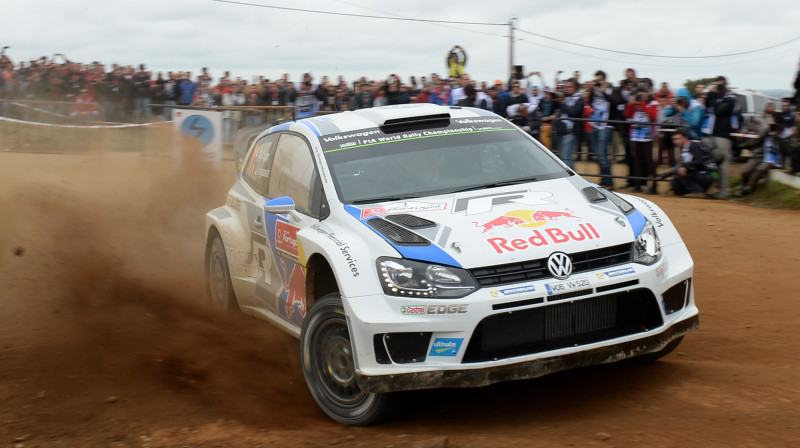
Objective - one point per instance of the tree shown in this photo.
(691, 84)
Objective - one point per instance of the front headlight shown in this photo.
(647, 248)
(408, 278)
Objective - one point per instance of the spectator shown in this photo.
(549, 109)
(766, 156)
(306, 103)
(687, 113)
(142, 95)
(786, 117)
(232, 119)
(795, 147)
(186, 90)
(600, 98)
(722, 107)
(516, 95)
(692, 177)
(456, 61)
(568, 131)
(664, 92)
(767, 117)
(441, 93)
(85, 107)
(641, 110)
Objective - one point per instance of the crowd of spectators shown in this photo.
(574, 118)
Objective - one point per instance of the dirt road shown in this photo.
(103, 344)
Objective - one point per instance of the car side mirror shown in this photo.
(283, 205)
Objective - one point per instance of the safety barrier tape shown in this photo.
(74, 126)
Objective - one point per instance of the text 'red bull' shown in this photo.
(547, 237)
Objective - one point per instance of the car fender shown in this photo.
(666, 230)
(234, 237)
(350, 255)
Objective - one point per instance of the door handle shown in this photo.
(258, 222)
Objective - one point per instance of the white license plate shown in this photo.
(567, 286)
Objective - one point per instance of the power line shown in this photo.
(655, 55)
(363, 16)
(451, 22)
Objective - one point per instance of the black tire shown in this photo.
(218, 278)
(651, 357)
(328, 367)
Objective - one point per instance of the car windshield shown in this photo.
(468, 154)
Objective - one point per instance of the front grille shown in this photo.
(560, 325)
(403, 348)
(537, 269)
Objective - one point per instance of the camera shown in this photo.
(639, 97)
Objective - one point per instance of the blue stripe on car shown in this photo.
(637, 221)
(431, 254)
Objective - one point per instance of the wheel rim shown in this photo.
(334, 366)
(219, 283)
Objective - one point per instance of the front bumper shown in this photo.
(526, 369)
(522, 330)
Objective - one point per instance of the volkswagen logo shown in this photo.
(559, 265)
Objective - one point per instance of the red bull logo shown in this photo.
(525, 218)
(544, 238)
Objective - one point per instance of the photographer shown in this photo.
(766, 156)
(722, 107)
(692, 177)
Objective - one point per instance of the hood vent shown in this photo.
(411, 221)
(397, 234)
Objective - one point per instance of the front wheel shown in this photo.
(329, 368)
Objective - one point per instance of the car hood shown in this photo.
(500, 225)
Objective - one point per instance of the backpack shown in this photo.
(711, 160)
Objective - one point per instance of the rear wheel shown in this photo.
(329, 369)
(218, 278)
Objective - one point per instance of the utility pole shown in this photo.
(510, 48)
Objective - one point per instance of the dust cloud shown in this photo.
(104, 307)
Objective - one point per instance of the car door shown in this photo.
(294, 175)
(259, 263)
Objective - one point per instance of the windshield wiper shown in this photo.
(386, 199)
(497, 184)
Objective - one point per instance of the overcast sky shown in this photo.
(252, 40)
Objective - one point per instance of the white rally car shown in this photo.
(420, 246)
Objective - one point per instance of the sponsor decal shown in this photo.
(615, 273)
(655, 218)
(401, 207)
(292, 299)
(343, 248)
(661, 271)
(415, 309)
(286, 240)
(446, 346)
(512, 291)
(435, 309)
(525, 218)
(544, 238)
(566, 286)
(474, 205)
(234, 203)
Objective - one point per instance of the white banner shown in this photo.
(204, 125)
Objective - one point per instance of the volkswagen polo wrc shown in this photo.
(419, 246)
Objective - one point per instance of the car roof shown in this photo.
(375, 117)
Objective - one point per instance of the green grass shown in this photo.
(769, 194)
